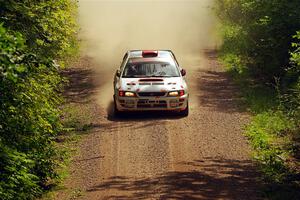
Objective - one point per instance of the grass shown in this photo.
(78, 117)
(77, 120)
(67, 143)
(270, 133)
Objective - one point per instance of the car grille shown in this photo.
(157, 83)
(154, 83)
(151, 94)
(144, 83)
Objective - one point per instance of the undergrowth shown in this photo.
(271, 133)
(261, 49)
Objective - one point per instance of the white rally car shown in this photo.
(150, 80)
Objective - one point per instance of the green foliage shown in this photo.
(32, 35)
(49, 27)
(296, 54)
(292, 98)
(29, 118)
(266, 131)
(17, 181)
(261, 48)
(259, 34)
(74, 119)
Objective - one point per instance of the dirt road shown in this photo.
(151, 156)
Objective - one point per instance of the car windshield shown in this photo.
(150, 68)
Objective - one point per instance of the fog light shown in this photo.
(129, 102)
(173, 103)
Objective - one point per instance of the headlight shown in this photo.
(129, 94)
(176, 93)
(126, 94)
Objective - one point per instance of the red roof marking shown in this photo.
(150, 53)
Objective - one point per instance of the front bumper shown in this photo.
(151, 103)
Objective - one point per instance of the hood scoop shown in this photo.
(151, 80)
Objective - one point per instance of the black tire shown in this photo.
(117, 113)
(185, 112)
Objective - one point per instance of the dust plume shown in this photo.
(111, 27)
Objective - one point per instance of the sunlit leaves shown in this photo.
(263, 34)
(32, 35)
(48, 26)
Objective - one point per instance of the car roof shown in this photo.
(160, 53)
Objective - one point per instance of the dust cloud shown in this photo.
(111, 27)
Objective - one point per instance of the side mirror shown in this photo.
(118, 73)
(183, 72)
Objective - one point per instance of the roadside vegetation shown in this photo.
(261, 49)
(36, 39)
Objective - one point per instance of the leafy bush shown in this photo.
(49, 27)
(293, 96)
(261, 50)
(29, 118)
(32, 35)
(266, 131)
(259, 34)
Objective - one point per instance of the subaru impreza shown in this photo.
(150, 80)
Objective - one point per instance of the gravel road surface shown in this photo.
(161, 156)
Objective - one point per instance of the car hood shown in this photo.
(152, 84)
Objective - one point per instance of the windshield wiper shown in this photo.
(159, 76)
(135, 76)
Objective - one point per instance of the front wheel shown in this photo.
(185, 112)
(116, 111)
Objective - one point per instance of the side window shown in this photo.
(124, 60)
(174, 58)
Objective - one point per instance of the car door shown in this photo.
(119, 71)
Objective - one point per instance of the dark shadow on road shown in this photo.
(216, 88)
(217, 91)
(213, 178)
(141, 116)
(81, 85)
